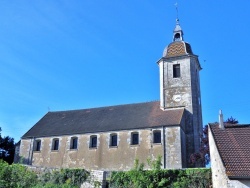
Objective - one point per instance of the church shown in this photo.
(112, 137)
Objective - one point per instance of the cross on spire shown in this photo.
(178, 33)
(177, 16)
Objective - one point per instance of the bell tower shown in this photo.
(180, 84)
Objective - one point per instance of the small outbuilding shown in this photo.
(230, 154)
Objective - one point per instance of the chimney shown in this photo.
(221, 123)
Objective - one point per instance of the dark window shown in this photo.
(113, 140)
(73, 144)
(176, 71)
(55, 145)
(157, 137)
(37, 145)
(134, 138)
(93, 141)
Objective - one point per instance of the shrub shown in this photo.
(70, 177)
(16, 175)
(19, 176)
(160, 178)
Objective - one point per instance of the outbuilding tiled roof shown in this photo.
(233, 144)
(111, 118)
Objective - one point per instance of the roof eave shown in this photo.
(239, 177)
(101, 131)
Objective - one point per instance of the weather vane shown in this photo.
(176, 6)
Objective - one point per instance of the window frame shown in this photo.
(37, 145)
(93, 138)
(112, 142)
(74, 143)
(176, 71)
(55, 144)
(155, 139)
(132, 139)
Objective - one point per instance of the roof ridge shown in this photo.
(230, 125)
(91, 108)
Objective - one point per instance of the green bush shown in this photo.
(66, 177)
(16, 175)
(160, 178)
(19, 176)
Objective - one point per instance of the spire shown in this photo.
(178, 33)
(176, 6)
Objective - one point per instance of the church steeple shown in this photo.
(180, 85)
(178, 33)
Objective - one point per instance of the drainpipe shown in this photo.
(32, 150)
(164, 147)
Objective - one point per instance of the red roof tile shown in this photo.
(178, 48)
(233, 144)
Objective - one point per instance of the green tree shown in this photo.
(232, 120)
(7, 148)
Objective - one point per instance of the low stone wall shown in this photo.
(40, 170)
(96, 179)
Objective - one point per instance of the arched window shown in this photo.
(177, 37)
(73, 142)
(113, 139)
(134, 138)
(157, 136)
(37, 145)
(55, 144)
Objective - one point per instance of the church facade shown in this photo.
(111, 138)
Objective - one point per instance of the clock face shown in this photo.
(177, 98)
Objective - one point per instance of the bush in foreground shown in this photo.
(160, 178)
(17, 175)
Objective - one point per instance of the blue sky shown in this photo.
(62, 55)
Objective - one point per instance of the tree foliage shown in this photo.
(7, 148)
(232, 120)
(203, 156)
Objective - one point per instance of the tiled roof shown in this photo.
(233, 144)
(178, 48)
(111, 118)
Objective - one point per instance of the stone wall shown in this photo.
(219, 177)
(105, 157)
(97, 177)
(25, 151)
(173, 148)
(183, 91)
